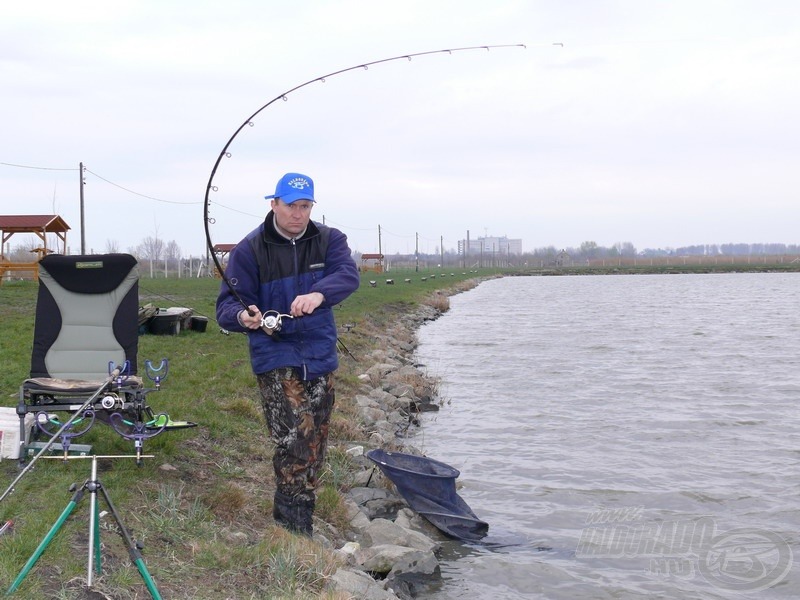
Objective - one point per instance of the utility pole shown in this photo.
(441, 248)
(83, 226)
(416, 253)
(379, 240)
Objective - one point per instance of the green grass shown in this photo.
(202, 505)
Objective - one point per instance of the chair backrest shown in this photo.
(86, 316)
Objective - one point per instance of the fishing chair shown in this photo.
(84, 359)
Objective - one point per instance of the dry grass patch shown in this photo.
(439, 301)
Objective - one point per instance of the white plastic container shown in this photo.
(9, 432)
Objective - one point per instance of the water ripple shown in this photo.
(674, 397)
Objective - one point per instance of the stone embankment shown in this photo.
(392, 550)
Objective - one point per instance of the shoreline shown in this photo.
(390, 550)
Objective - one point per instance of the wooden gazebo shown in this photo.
(40, 225)
(221, 251)
(372, 262)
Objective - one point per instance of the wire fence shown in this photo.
(195, 267)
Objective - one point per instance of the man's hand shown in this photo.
(305, 304)
(251, 322)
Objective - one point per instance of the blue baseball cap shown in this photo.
(293, 187)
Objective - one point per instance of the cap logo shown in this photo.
(298, 183)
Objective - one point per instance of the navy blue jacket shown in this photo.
(270, 271)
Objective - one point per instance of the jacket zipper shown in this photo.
(293, 242)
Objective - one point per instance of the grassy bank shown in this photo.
(202, 505)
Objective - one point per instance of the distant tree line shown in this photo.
(591, 250)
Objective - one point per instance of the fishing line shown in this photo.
(210, 187)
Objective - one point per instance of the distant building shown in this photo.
(490, 245)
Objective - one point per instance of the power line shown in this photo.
(402, 235)
(241, 212)
(197, 202)
(137, 193)
(99, 177)
(38, 168)
(348, 227)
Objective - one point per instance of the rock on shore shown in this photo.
(392, 550)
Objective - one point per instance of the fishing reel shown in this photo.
(112, 401)
(272, 321)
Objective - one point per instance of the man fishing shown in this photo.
(291, 271)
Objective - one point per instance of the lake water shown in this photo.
(625, 436)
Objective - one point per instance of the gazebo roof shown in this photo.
(32, 223)
(41, 225)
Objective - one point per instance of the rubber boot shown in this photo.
(294, 513)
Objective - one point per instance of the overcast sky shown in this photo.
(658, 123)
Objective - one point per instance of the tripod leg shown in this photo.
(45, 542)
(94, 526)
(133, 549)
(97, 550)
(94, 533)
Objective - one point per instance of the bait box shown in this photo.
(165, 323)
(199, 323)
(9, 432)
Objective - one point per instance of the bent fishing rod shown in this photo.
(224, 153)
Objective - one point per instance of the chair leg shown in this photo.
(22, 412)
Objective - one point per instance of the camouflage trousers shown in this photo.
(297, 414)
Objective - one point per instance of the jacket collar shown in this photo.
(271, 235)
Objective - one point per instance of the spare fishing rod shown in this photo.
(114, 374)
(285, 96)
